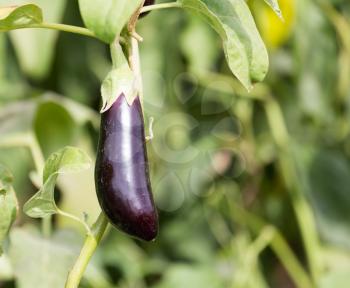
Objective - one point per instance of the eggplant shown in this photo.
(147, 3)
(122, 174)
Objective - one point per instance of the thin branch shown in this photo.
(77, 219)
(160, 6)
(91, 242)
(59, 27)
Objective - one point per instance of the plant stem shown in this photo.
(160, 6)
(38, 157)
(39, 161)
(278, 244)
(60, 27)
(75, 218)
(117, 55)
(133, 56)
(46, 227)
(136, 65)
(91, 242)
(302, 209)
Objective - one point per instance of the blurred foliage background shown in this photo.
(252, 188)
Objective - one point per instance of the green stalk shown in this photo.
(135, 64)
(38, 157)
(117, 55)
(91, 242)
(46, 226)
(39, 162)
(60, 27)
(160, 6)
(301, 207)
(75, 218)
(277, 243)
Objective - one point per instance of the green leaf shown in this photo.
(35, 48)
(199, 45)
(19, 16)
(108, 17)
(275, 7)
(245, 51)
(120, 80)
(40, 262)
(315, 86)
(8, 203)
(54, 126)
(66, 160)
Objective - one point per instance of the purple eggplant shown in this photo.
(147, 3)
(122, 173)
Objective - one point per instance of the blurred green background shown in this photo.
(253, 189)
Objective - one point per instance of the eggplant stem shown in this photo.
(91, 242)
(135, 65)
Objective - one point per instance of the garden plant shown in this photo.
(194, 143)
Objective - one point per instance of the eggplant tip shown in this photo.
(147, 228)
(143, 227)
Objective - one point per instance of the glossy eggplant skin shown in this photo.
(147, 3)
(122, 174)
